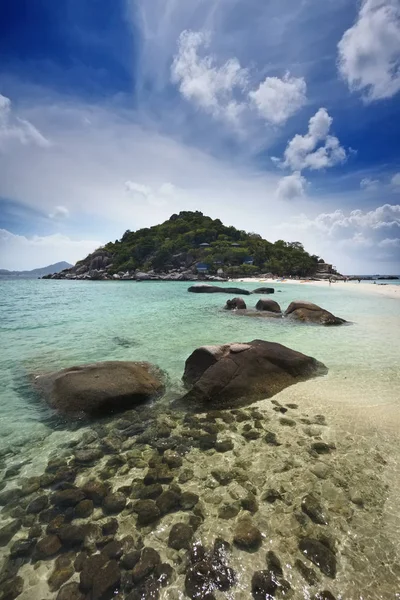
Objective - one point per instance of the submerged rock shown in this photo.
(213, 289)
(70, 591)
(11, 589)
(235, 304)
(320, 555)
(180, 536)
(307, 312)
(47, 547)
(264, 290)
(313, 509)
(263, 585)
(238, 373)
(246, 535)
(101, 387)
(8, 531)
(268, 305)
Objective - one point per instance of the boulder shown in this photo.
(140, 276)
(307, 312)
(101, 388)
(268, 305)
(235, 303)
(234, 374)
(214, 289)
(264, 290)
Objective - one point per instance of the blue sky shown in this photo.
(277, 116)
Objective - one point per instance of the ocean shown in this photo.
(49, 325)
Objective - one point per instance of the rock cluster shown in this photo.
(301, 311)
(249, 499)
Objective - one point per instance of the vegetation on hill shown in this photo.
(178, 243)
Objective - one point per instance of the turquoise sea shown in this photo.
(49, 325)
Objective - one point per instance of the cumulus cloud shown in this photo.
(278, 99)
(223, 91)
(59, 212)
(369, 52)
(209, 86)
(14, 128)
(291, 187)
(354, 238)
(21, 252)
(316, 149)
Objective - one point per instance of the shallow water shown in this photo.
(48, 325)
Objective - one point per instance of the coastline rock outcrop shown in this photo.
(235, 304)
(101, 388)
(233, 374)
(214, 289)
(268, 305)
(307, 312)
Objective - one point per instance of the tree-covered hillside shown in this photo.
(191, 238)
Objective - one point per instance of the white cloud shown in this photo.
(209, 86)
(369, 52)
(340, 224)
(278, 99)
(19, 252)
(390, 243)
(356, 241)
(291, 187)
(158, 196)
(14, 128)
(369, 185)
(223, 91)
(395, 182)
(59, 212)
(316, 149)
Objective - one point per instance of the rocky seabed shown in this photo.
(259, 503)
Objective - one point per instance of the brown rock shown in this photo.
(235, 304)
(70, 591)
(47, 547)
(307, 312)
(84, 509)
(265, 304)
(114, 503)
(247, 536)
(101, 387)
(58, 577)
(240, 373)
(95, 491)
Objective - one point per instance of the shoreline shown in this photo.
(388, 290)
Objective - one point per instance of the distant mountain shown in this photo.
(35, 273)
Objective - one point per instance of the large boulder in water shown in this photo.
(101, 388)
(214, 289)
(307, 312)
(268, 305)
(235, 304)
(235, 374)
(264, 290)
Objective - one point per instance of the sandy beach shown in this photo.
(388, 290)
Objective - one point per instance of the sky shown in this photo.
(276, 116)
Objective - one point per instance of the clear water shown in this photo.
(49, 325)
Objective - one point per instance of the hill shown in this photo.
(35, 273)
(190, 243)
